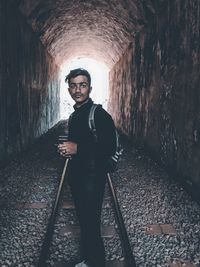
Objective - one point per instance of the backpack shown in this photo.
(112, 162)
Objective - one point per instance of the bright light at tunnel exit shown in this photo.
(99, 82)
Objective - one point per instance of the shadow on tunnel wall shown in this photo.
(154, 89)
(29, 85)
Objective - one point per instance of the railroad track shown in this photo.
(129, 260)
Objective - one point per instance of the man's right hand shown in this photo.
(67, 149)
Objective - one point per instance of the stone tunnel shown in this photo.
(152, 49)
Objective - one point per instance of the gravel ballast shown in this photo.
(146, 194)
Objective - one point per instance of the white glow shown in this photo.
(99, 82)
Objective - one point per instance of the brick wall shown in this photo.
(29, 85)
(160, 74)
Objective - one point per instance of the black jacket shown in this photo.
(91, 155)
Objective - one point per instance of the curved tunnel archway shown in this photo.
(98, 29)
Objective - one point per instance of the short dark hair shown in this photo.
(76, 72)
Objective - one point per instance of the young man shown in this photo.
(87, 173)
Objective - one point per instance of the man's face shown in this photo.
(79, 89)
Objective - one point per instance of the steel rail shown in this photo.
(50, 228)
(126, 247)
(128, 255)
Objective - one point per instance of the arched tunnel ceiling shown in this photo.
(99, 29)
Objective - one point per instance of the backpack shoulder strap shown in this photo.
(91, 120)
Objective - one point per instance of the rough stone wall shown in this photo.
(121, 92)
(29, 86)
(165, 95)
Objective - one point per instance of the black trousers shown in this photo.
(88, 198)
